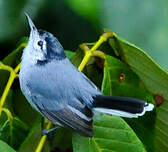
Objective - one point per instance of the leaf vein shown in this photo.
(118, 141)
(127, 130)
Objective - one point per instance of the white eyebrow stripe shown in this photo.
(80, 114)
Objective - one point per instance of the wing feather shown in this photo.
(76, 118)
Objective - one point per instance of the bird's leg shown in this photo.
(47, 132)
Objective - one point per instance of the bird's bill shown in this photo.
(31, 24)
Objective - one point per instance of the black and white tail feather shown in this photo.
(121, 106)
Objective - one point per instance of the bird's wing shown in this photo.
(63, 94)
(77, 118)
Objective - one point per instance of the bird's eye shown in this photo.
(40, 43)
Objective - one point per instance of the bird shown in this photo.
(61, 93)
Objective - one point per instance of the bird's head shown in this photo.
(42, 45)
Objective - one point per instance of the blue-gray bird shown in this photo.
(61, 93)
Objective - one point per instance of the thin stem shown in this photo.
(8, 113)
(7, 88)
(43, 139)
(21, 46)
(16, 70)
(17, 76)
(99, 54)
(13, 75)
(98, 43)
(89, 53)
(85, 60)
(84, 47)
(5, 67)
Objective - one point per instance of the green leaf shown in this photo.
(62, 139)
(85, 144)
(161, 125)
(144, 25)
(93, 67)
(69, 54)
(77, 58)
(110, 134)
(152, 128)
(144, 127)
(4, 147)
(120, 80)
(13, 132)
(152, 75)
(94, 73)
(31, 141)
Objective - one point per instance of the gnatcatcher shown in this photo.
(61, 93)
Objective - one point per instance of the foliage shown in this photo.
(117, 68)
(141, 22)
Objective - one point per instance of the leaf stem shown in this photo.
(8, 113)
(85, 60)
(16, 70)
(84, 47)
(6, 91)
(99, 54)
(6, 67)
(98, 43)
(13, 75)
(43, 139)
(89, 53)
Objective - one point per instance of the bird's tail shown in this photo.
(121, 106)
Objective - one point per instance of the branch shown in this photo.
(89, 53)
(13, 75)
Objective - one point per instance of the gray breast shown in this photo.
(59, 81)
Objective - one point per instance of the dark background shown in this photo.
(143, 23)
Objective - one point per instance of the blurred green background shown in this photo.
(144, 23)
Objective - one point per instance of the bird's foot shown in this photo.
(47, 132)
